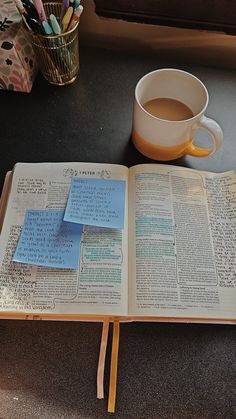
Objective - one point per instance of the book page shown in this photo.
(182, 229)
(4, 197)
(99, 286)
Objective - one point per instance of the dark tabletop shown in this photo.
(48, 369)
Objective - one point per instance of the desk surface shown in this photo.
(48, 369)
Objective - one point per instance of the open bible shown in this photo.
(174, 260)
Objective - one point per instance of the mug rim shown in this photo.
(168, 120)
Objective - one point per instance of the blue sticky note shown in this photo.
(96, 202)
(46, 240)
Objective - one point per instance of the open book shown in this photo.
(174, 260)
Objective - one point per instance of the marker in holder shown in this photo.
(57, 55)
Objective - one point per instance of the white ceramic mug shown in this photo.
(162, 139)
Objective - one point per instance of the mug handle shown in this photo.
(216, 134)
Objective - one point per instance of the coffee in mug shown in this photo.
(169, 106)
(168, 109)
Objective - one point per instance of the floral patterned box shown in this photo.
(17, 60)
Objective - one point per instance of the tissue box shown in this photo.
(17, 60)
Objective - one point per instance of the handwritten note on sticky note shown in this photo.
(96, 202)
(46, 240)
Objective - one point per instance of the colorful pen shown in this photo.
(72, 3)
(47, 28)
(55, 25)
(76, 16)
(64, 8)
(30, 22)
(30, 9)
(20, 6)
(67, 18)
(76, 4)
(33, 24)
(40, 9)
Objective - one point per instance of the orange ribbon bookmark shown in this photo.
(101, 361)
(114, 364)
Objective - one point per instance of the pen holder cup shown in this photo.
(58, 55)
